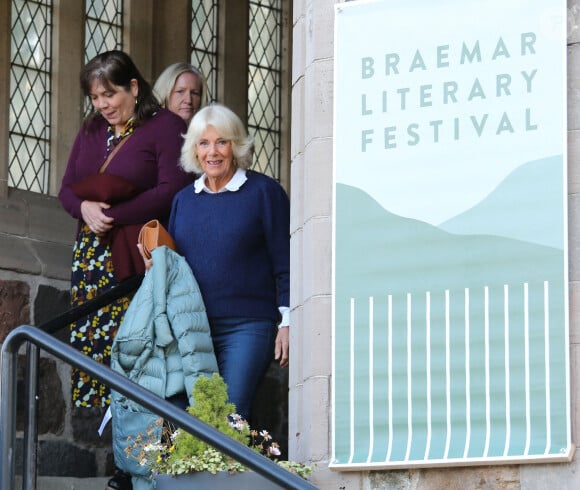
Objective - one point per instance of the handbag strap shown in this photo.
(113, 153)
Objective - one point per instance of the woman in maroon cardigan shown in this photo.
(140, 144)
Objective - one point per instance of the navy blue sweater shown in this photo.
(237, 245)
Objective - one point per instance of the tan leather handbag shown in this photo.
(152, 235)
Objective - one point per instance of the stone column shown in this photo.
(4, 94)
(68, 100)
(171, 34)
(139, 34)
(233, 56)
(574, 204)
(311, 242)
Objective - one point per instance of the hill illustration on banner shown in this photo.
(524, 206)
(450, 328)
(493, 242)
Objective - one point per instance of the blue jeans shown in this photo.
(244, 348)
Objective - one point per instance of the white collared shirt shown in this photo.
(233, 185)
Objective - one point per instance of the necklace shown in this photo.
(113, 140)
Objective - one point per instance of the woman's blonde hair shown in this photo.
(166, 82)
(228, 125)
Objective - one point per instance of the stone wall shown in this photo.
(34, 290)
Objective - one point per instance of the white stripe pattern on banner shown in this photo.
(352, 377)
(447, 373)
(417, 384)
(506, 321)
(409, 379)
(467, 379)
(390, 374)
(487, 381)
(547, 366)
(371, 378)
(428, 353)
(527, 365)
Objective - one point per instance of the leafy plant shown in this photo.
(179, 452)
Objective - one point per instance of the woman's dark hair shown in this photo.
(117, 68)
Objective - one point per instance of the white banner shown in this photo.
(450, 249)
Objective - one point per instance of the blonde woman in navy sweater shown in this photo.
(233, 227)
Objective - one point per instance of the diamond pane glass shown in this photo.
(29, 166)
(29, 114)
(103, 29)
(204, 41)
(264, 83)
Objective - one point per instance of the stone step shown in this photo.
(66, 483)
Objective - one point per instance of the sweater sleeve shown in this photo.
(70, 202)
(276, 222)
(172, 216)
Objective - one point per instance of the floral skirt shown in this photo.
(92, 275)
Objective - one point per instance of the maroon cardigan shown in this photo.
(148, 160)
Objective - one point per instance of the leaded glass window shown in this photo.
(29, 119)
(204, 41)
(103, 29)
(264, 83)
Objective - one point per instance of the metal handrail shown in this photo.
(30, 445)
(26, 333)
(124, 288)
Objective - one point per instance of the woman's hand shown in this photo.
(93, 216)
(282, 346)
(148, 262)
